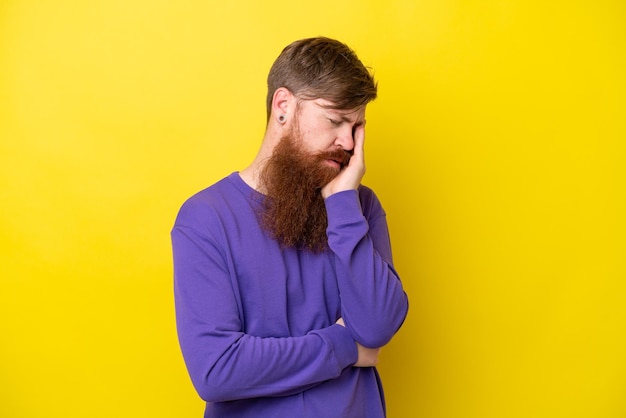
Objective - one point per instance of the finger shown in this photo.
(359, 141)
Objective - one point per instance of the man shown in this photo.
(284, 283)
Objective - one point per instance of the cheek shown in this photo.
(317, 139)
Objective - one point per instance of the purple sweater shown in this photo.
(256, 323)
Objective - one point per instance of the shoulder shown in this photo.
(204, 204)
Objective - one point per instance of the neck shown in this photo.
(250, 175)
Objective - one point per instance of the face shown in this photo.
(309, 156)
(321, 129)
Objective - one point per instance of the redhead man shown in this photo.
(284, 282)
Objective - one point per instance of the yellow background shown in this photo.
(496, 146)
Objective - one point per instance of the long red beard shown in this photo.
(294, 212)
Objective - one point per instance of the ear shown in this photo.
(283, 102)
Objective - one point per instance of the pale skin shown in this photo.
(322, 129)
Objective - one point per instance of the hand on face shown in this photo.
(349, 178)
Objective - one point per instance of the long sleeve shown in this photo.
(373, 302)
(224, 362)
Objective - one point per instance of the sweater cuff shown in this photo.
(343, 207)
(343, 346)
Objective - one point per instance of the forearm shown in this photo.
(240, 366)
(374, 303)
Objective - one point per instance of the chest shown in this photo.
(283, 292)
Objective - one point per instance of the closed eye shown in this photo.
(334, 122)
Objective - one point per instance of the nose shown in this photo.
(345, 138)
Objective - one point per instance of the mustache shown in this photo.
(339, 155)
